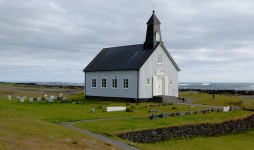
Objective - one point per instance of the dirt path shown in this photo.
(98, 136)
(210, 106)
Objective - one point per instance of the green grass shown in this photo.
(225, 142)
(31, 125)
(124, 125)
(28, 125)
(220, 100)
(62, 112)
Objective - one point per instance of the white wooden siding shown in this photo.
(131, 92)
(151, 68)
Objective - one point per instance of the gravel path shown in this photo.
(201, 105)
(98, 136)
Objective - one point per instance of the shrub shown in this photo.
(129, 110)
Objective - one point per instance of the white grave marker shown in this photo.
(117, 108)
(22, 99)
(9, 97)
(31, 99)
(226, 109)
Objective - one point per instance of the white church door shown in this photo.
(158, 85)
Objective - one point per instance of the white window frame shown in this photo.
(126, 77)
(148, 79)
(103, 77)
(92, 79)
(159, 58)
(112, 82)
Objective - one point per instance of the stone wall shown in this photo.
(186, 131)
(240, 92)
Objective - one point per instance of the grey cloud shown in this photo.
(60, 37)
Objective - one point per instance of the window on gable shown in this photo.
(103, 82)
(159, 58)
(114, 82)
(125, 82)
(93, 83)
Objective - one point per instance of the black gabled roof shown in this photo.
(130, 57)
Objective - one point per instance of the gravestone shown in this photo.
(152, 111)
(51, 99)
(219, 110)
(232, 108)
(31, 99)
(226, 109)
(153, 117)
(182, 113)
(38, 98)
(64, 99)
(207, 111)
(22, 99)
(174, 107)
(237, 108)
(164, 115)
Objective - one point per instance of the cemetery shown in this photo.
(48, 107)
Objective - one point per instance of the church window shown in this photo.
(125, 82)
(114, 82)
(103, 82)
(93, 83)
(159, 58)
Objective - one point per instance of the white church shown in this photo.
(138, 72)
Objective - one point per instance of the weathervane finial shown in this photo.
(153, 9)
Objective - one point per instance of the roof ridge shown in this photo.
(123, 46)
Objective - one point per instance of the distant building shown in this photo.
(134, 71)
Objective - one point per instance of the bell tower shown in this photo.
(153, 32)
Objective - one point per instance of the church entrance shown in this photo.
(160, 85)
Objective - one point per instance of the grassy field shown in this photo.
(130, 124)
(32, 125)
(220, 100)
(28, 125)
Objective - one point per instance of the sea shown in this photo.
(182, 85)
(217, 86)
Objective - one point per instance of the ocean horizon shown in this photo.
(182, 85)
(217, 86)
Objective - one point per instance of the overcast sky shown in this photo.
(53, 40)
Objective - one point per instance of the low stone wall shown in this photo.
(186, 131)
(241, 92)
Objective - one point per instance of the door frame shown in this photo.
(155, 84)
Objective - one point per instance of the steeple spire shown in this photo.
(153, 32)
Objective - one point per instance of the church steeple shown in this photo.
(153, 32)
